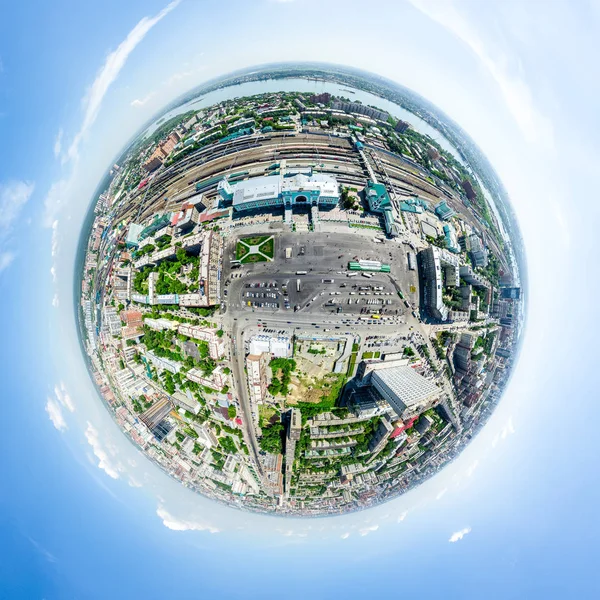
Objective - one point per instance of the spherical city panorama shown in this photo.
(301, 290)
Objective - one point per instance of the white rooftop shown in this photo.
(405, 383)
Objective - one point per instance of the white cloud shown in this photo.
(109, 71)
(402, 516)
(536, 127)
(63, 396)
(55, 199)
(177, 524)
(106, 455)
(441, 494)
(137, 103)
(45, 553)
(507, 430)
(366, 530)
(60, 190)
(56, 415)
(13, 197)
(292, 533)
(55, 301)
(178, 77)
(459, 535)
(345, 535)
(472, 467)
(54, 250)
(58, 143)
(6, 259)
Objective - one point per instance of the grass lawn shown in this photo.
(351, 364)
(241, 251)
(253, 258)
(256, 240)
(267, 248)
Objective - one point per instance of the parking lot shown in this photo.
(320, 264)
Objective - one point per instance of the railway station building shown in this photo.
(279, 191)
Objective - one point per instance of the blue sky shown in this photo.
(84, 515)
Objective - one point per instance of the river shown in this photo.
(309, 86)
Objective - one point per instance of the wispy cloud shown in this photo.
(441, 494)
(58, 143)
(55, 199)
(536, 127)
(56, 415)
(109, 71)
(472, 467)
(189, 524)
(13, 197)
(459, 535)
(6, 259)
(105, 453)
(139, 102)
(45, 553)
(507, 430)
(61, 400)
(368, 529)
(61, 190)
(63, 397)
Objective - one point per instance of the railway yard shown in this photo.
(292, 306)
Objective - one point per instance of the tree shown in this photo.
(408, 351)
(220, 333)
(231, 412)
(271, 439)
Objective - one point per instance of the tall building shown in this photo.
(380, 438)
(478, 252)
(469, 191)
(512, 293)
(293, 435)
(406, 391)
(256, 366)
(323, 98)
(462, 352)
(440, 269)
(401, 126)
(361, 109)
(156, 413)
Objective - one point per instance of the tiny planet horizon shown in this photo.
(301, 290)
